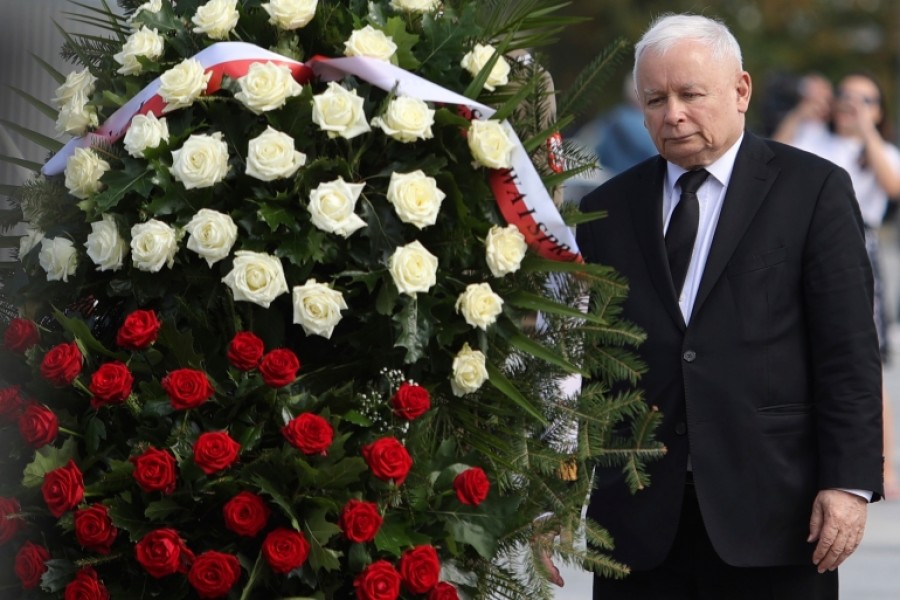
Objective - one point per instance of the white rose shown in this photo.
(332, 204)
(153, 6)
(469, 371)
(201, 162)
(153, 244)
(417, 6)
(291, 14)
(145, 43)
(216, 18)
(317, 308)
(105, 246)
(267, 86)
(212, 234)
(339, 112)
(413, 268)
(372, 42)
(27, 242)
(475, 60)
(491, 144)
(183, 83)
(406, 119)
(256, 277)
(145, 131)
(505, 249)
(76, 117)
(416, 198)
(271, 156)
(479, 305)
(58, 258)
(78, 84)
(83, 172)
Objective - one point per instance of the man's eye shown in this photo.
(654, 101)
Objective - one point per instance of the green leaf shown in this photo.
(499, 381)
(268, 488)
(134, 178)
(393, 538)
(318, 531)
(43, 107)
(50, 69)
(94, 433)
(358, 558)
(395, 27)
(130, 518)
(530, 301)
(474, 535)
(181, 344)
(28, 164)
(526, 344)
(41, 140)
(275, 216)
(116, 479)
(342, 474)
(161, 510)
(415, 330)
(579, 218)
(59, 574)
(47, 459)
(83, 336)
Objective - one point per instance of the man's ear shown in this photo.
(744, 90)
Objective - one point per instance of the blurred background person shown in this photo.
(807, 125)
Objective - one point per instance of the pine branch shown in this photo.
(590, 83)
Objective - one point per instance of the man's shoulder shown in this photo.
(624, 186)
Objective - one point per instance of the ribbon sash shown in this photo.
(520, 194)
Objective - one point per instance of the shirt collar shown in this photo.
(721, 170)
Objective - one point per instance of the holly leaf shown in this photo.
(45, 460)
(474, 535)
(395, 27)
(59, 574)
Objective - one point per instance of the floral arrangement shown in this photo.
(277, 338)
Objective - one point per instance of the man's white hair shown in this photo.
(669, 29)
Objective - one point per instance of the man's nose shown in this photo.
(674, 111)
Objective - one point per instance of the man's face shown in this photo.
(694, 106)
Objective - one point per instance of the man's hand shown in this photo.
(837, 522)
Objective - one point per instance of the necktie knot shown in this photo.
(690, 181)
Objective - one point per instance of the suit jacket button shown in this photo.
(689, 356)
(680, 428)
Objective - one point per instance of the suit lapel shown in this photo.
(648, 222)
(750, 182)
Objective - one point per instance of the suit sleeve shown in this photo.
(846, 364)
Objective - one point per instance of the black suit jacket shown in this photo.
(775, 385)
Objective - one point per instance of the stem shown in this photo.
(70, 432)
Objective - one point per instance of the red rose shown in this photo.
(378, 581)
(38, 425)
(285, 550)
(246, 514)
(20, 335)
(245, 350)
(215, 451)
(388, 459)
(62, 364)
(472, 486)
(420, 568)
(163, 552)
(94, 529)
(411, 401)
(155, 471)
(11, 404)
(110, 384)
(443, 591)
(279, 367)
(140, 329)
(187, 388)
(86, 586)
(214, 573)
(63, 488)
(31, 564)
(310, 433)
(360, 520)
(9, 524)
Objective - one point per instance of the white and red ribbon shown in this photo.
(520, 194)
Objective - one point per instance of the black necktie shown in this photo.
(683, 226)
